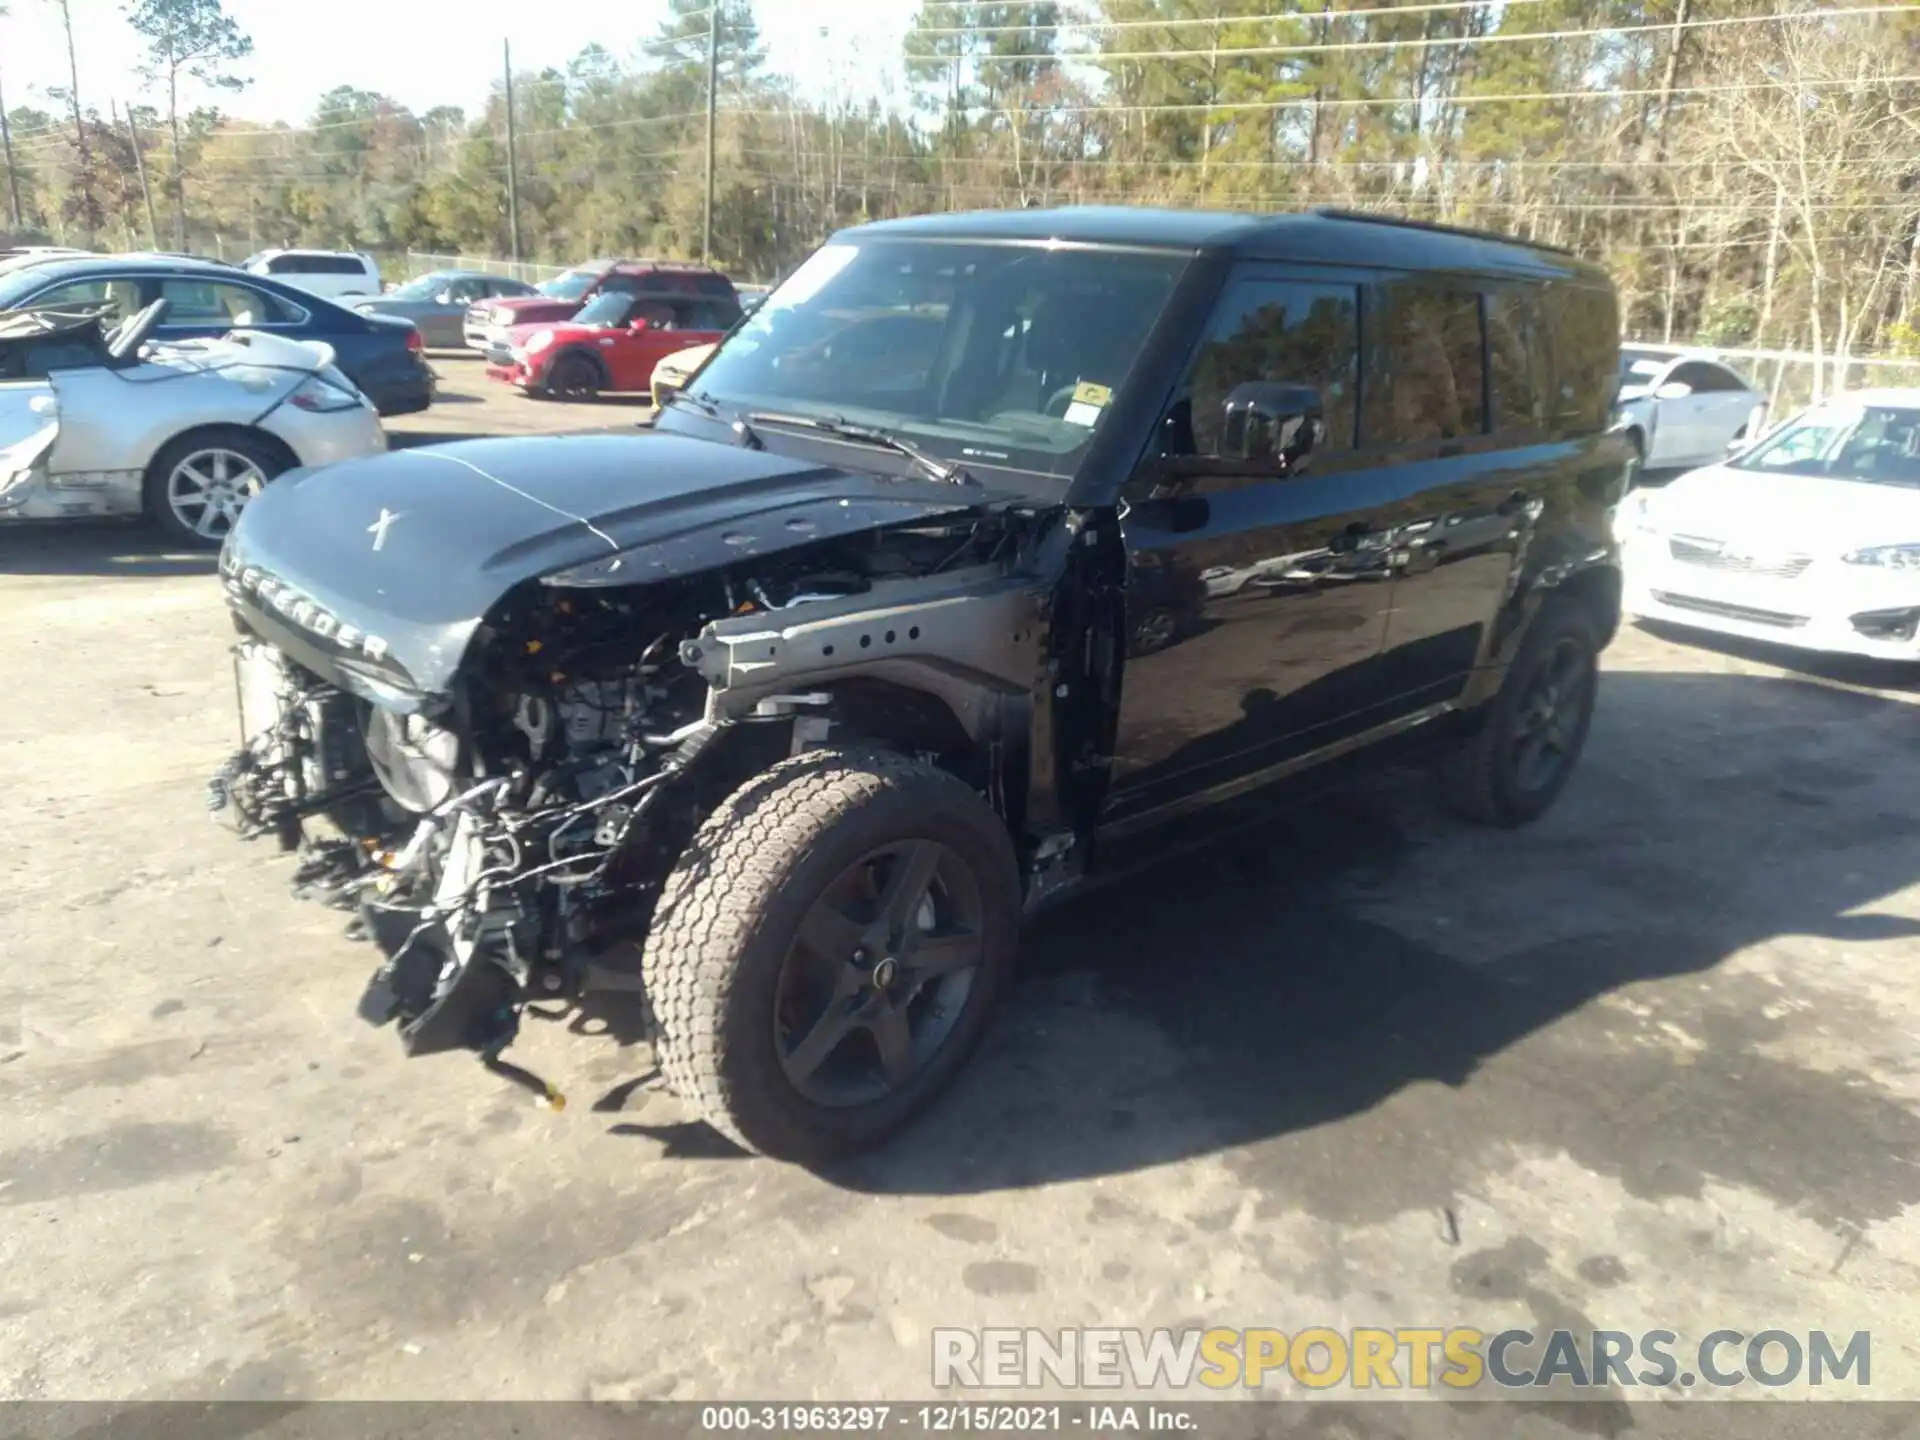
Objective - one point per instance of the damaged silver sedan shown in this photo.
(99, 422)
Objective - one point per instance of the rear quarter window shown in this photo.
(1431, 383)
(1583, 335)
(1517, 374)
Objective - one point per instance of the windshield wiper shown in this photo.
(866, 435)
(681, 397)
(706, 407)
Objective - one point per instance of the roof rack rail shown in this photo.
(1370, 217)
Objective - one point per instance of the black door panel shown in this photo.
(1467, 495)
(1257, 602)
(1457, 552)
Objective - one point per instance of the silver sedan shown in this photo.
(437, 303)
(185, 433)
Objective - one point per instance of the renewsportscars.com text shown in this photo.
(1363, 1358)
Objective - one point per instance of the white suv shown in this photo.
(333, 273)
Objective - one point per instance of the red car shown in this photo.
(562, 297)
(612, 344)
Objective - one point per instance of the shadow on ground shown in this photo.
(1281, 999)
(97, 547)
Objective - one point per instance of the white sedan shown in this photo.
(1681, 409)
(1810, 538)
(98, 423)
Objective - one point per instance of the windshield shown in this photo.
(1879, 444)
(608, 308)
(1637, 367)
(570, 286)
(1001, 354)
(425, 288)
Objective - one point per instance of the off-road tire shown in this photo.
(1475, 777)
(730, 907)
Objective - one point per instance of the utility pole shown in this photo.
(513, 156)
(146, 192)
(13, 176)
(713, 89)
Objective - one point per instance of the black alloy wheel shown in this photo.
(878, 974)
(1514, 764)
(1553, 714)
(827, 952)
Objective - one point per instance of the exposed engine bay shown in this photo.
(496, 843)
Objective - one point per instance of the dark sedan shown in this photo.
(379, 353)
(437, 303)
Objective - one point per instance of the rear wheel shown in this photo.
(574, 377)
(824, 957)
(198, 484)
(1515, 765)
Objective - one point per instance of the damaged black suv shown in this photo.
(990, 545)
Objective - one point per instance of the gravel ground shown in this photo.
(1648, 1064)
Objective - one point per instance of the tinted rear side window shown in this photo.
(1427, 355)
(1707, 379)
(1516, 362)
(712, 314)
(1583, 330)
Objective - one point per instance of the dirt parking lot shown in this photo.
(471, 404)
(1649, 1064)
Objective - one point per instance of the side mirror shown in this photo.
(1273, 424)
(1673, 390)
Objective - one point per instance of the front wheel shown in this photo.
(1515, 765)
(198, 485)
(824, 957)
(574, 377)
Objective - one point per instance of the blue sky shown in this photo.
(427, 52)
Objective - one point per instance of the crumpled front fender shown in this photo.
(25, 459)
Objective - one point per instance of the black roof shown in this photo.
(32, 280)
(82, 266)
(1326, 236)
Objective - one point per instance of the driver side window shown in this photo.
(1278, 331)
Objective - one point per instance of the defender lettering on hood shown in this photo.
(244, 581)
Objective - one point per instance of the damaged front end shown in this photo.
(498, 797)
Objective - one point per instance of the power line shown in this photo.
(1438, 42)
(1425, 7)
(1438, 163)
(1521, 97)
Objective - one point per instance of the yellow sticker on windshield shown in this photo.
(1088, 393)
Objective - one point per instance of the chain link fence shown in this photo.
(421, 262)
